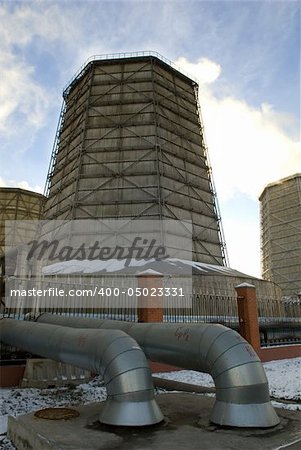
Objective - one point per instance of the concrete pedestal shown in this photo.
(186, 427)
(45, 373)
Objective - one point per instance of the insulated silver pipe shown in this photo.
(242, 392)
(110, 353)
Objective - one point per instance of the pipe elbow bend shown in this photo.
(242, 391)
(130, 393)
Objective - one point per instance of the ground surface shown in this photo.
(284, 381)
(186, 425)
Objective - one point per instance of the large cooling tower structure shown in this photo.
(130, 144)
(16, 206)
(281, 233)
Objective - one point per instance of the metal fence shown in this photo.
(279, 321)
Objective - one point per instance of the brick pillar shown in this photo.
(247, 314)
(150, 304)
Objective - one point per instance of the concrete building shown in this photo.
(280, 209)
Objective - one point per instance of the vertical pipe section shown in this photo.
(242, 391)
(111, 353)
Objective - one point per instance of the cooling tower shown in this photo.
(23, 207)
(281, 234)
(130, 144)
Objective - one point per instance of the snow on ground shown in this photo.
(284, 380)
(17, 401)
(188, 376)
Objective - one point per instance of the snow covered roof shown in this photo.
(170, 266)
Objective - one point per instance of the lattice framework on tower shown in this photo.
(130, 144)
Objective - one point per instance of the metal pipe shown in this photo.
(242, 391)
(110, 353)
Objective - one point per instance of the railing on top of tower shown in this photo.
(107, 56)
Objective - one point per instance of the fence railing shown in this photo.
(109, 56)
(279, 321)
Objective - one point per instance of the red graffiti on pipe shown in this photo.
(182, 334)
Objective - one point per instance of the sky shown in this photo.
(244, 54)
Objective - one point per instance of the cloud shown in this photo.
(23, 103)
(243, 242)
(28, 34)
(204, 69)
(21, 185)
(248, 149)
(248, 146)
(49, 21)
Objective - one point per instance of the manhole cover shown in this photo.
(56, 413)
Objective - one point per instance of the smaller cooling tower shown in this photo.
(18, 205)
(281, 233)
